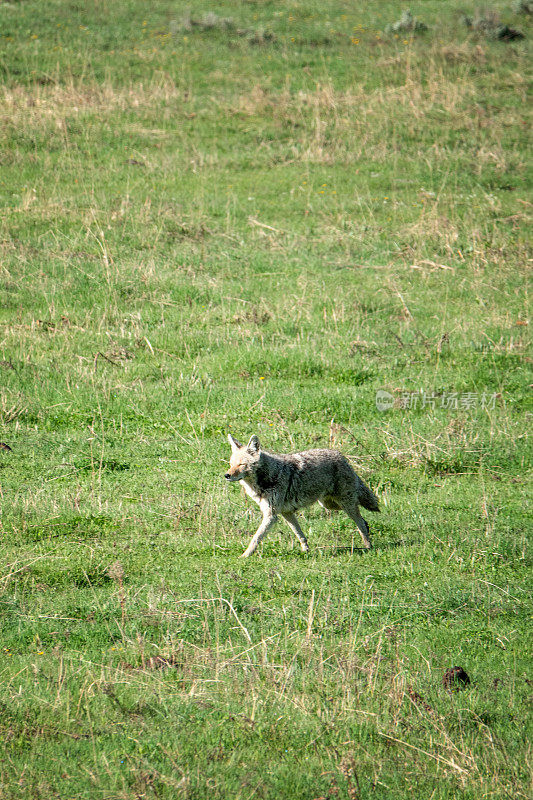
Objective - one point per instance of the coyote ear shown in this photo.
(253, 445)
(235, 445)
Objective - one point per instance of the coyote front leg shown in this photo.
(269, 519)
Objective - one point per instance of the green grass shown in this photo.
(253, 230)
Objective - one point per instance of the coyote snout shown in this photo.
(282, 484)
(234, 476)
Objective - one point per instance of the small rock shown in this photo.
(506, 34)
(406, 24)
(455, 678)
(489, 24)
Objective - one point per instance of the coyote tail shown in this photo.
(367, 498)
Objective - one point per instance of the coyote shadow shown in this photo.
(335, 549)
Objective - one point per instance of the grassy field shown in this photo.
(251, 218)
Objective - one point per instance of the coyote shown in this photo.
(282, 484)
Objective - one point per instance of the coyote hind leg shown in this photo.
(292, 522)
(352, 509)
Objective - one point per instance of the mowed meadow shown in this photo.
(252, 218)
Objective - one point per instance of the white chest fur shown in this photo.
(252, 494)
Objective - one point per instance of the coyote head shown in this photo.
(244, 458)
